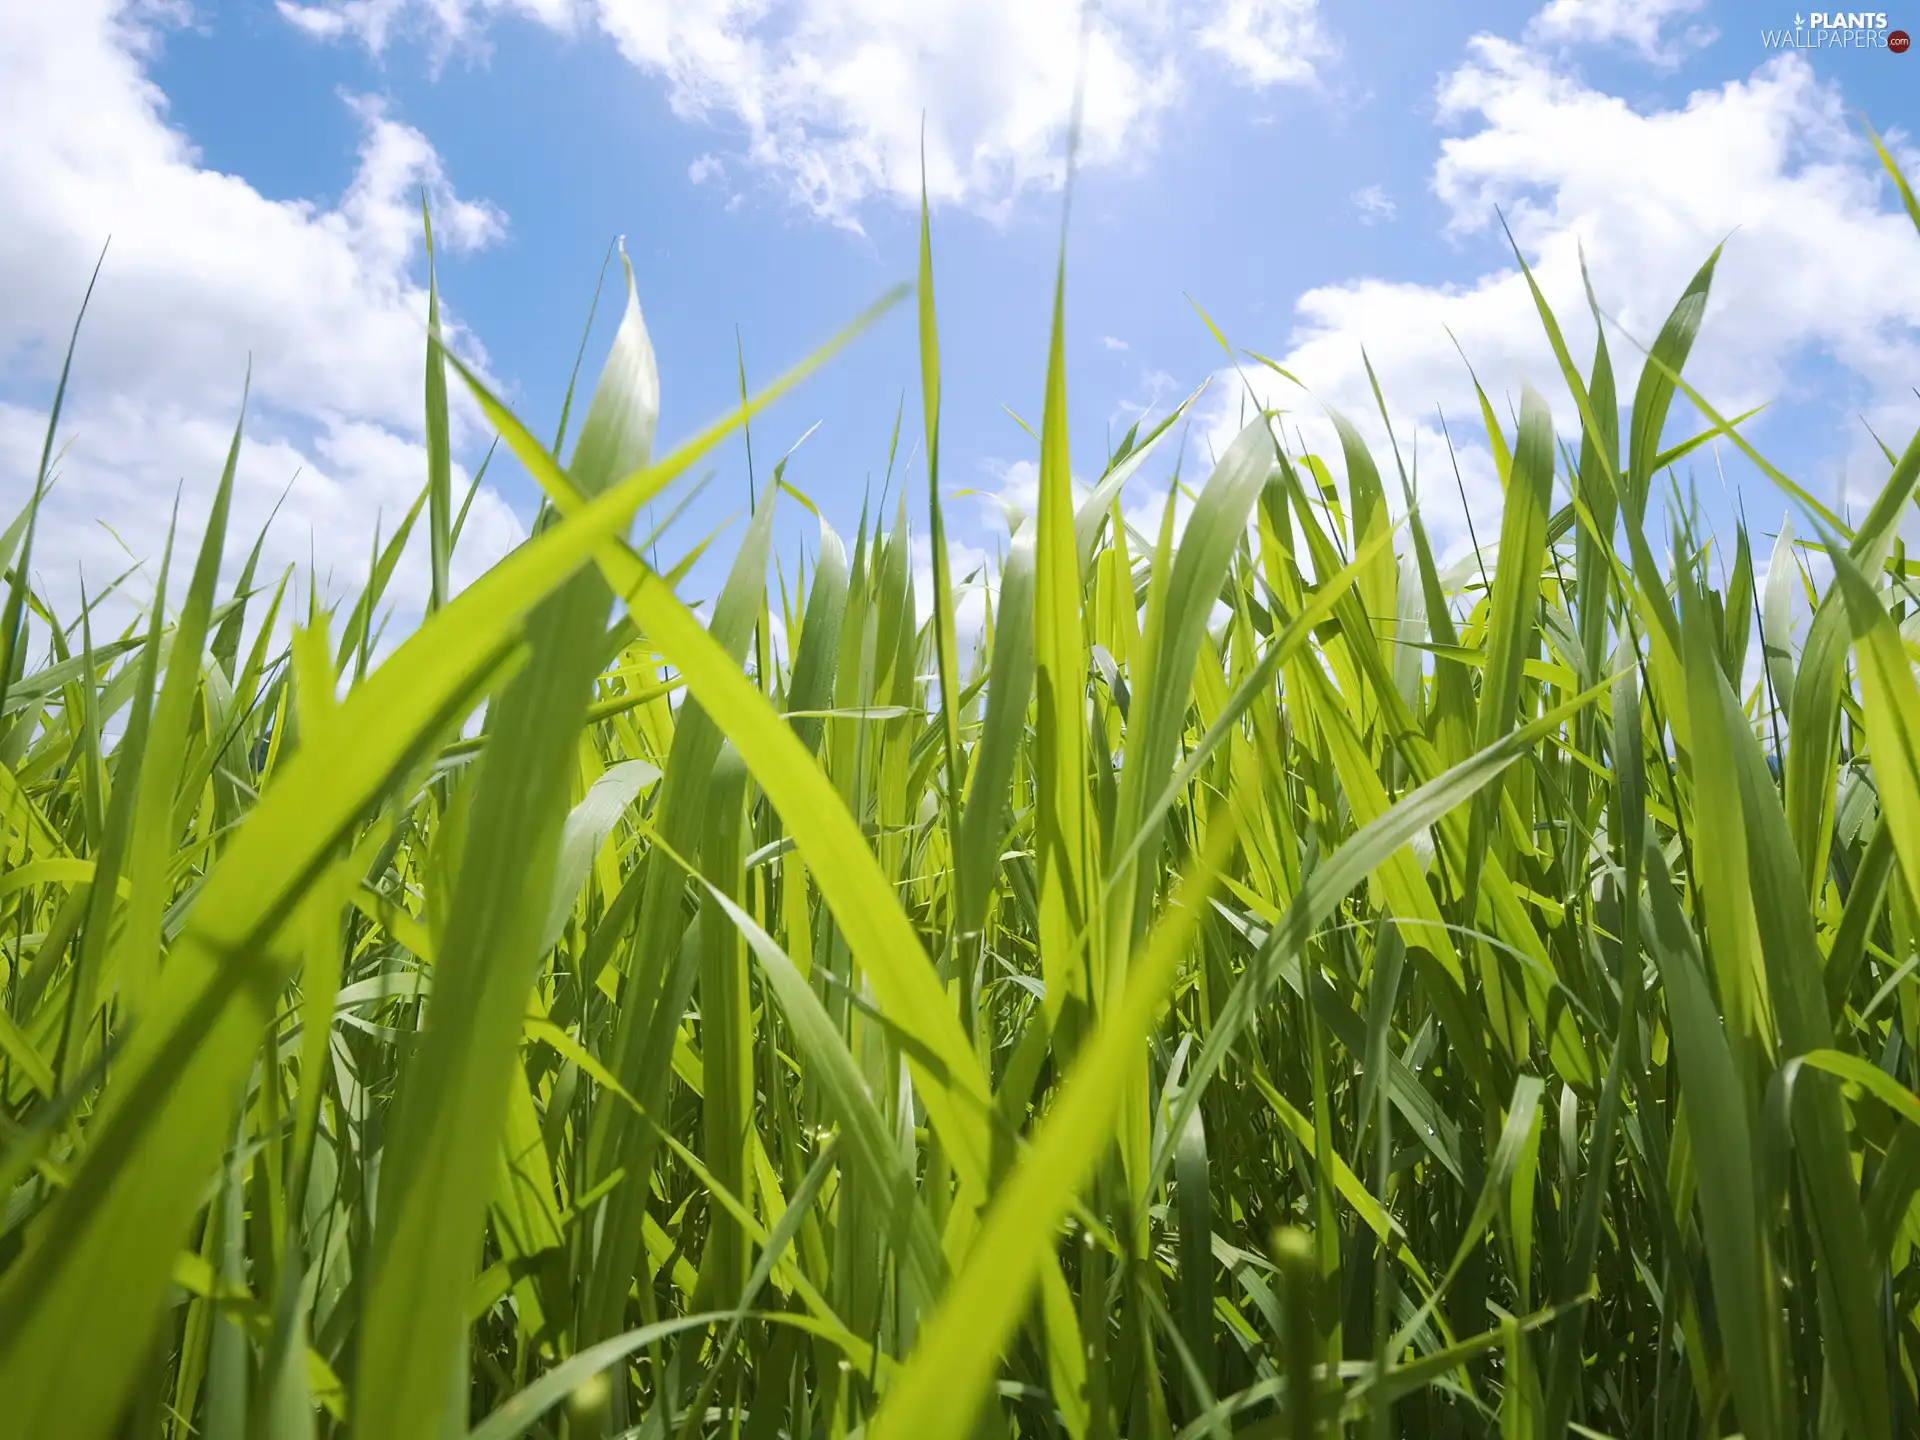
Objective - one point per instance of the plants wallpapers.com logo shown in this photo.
(1839, 30)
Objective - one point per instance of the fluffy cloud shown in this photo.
(831, 95)
(1012, 496)
(1818, 262)
(1643, 25)
(1267, 42)
(974, 572)
(1373, 205)
(446, 21)
(325, 496)
(206, 280)
(1816, 255)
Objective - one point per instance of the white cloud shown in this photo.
(446, 21)
(110, 506)
(1816, 256)
(974, 572)
(1013, 497)
(1818, 263)
(1013, 494)
(831, 93)
(205, 277)
(1153, 389)
(1113, 342)
(830, 96)
(1374, 206)
(1268, 42)
(1639, 24)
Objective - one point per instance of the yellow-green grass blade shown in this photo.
(617, 435)
(1849, 1321)
(951, 1369)
(945, 640)
(588, 825)
(1380, 582)
(225, 646)
(1496, 437)
(454, 1090)
(1855, 1071)
(779, 1239)
(1816, 698)
(653, 995)
(1359, 856)
(1748, 874)
(837, 856)
(1653, 396)
(151, 841)
(1891, 707)
(810, 683)
(1252, 689)
(1596, 481)
(1818, 684)
(1892, 167)
(1746, 1297)
(1649, 596)
(1776, 619)
(726, 1035)
(1192, 1186)
(840, 864)
(1521, 1114)
(439, 446)
(361, 629)
(523, 1411)
(1403, 884)
(85, 1295)
(1675, 453)
(863, 1128)
(86, 977)
(1719, 860)
(1216, 527)
(986, 815)
(1073, 976)
(13, 613)
(1095, 510)
(1516, 592)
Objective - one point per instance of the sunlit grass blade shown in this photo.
(1435, 987)
(91, 1283)
(838, 858)
(943, 1385)
(439, 445)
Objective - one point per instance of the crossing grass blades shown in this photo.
(1273, 984)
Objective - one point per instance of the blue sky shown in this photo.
(1318, 177)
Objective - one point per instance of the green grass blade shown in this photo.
(1721, 1128)
(91, 1284)
(439, 447)
(1073, 979)
(945, 640)
(946, 1379)
(987, 813)
(454, 1092)
(1511, 627)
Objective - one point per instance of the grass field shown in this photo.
(1274, 986)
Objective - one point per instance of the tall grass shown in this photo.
(1277, 985)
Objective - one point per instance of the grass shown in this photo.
(1274, 986)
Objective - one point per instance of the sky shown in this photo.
(1324, 181)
